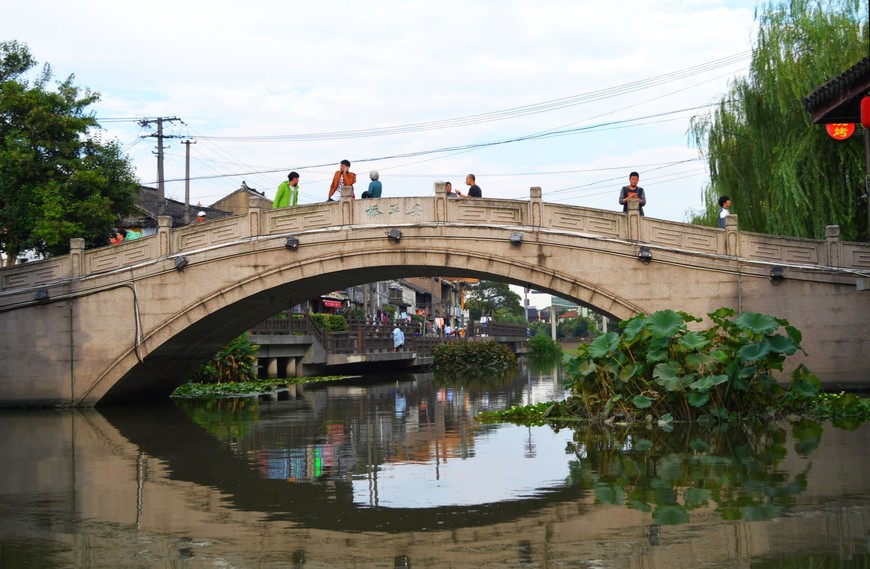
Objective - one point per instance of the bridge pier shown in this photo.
(290, 367)
(271, 368)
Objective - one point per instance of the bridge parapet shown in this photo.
(524, 215)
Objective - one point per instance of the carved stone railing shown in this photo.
(532, 214)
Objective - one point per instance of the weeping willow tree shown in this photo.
(784, 175)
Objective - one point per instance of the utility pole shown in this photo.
(161, 193)
(187, 144)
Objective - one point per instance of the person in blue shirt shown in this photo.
(374, 190)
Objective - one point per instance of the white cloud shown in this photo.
(268, 68)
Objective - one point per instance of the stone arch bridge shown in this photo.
(127, 323)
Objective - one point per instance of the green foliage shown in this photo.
(539, 327)
(58, 180)
(574, 327)
(235, 361)
(784, 174)
(844, 410)
(245, 388)
(540, 345)
(355, 314)
(505, 315)
(331, 322)
(658, 366)
(390, 311)
(473, 358)
(488, 298)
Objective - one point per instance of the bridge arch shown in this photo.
(129, 322)
(204, 324)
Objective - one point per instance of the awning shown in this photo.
(332, 303)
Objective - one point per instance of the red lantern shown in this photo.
(840, 131)
(865, 112)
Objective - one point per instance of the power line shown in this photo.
(537, 136)
(504, 114)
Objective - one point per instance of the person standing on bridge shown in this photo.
(343, 177)
(473, 189)
(288, 192)
(632, 192)
(374, 190)
(724, 204)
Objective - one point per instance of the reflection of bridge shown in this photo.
(165, 486)
(129, 322)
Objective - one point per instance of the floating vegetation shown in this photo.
(247, 388)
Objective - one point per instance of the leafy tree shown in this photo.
(540, 327)
(574, 327)
(488, 298)
(784, 174)
(58, 180)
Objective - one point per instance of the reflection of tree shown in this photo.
(733, 469)
(228, 419)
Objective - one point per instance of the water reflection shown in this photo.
(734, 470)
(397, 473)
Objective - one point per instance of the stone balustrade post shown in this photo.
(732, 237)
(164, 236)
(834, 245)
(346, 204)
(634, 219)
(536, 207)
(254, 216)
(440, 201)
(77, 257)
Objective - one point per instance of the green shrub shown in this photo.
(330, 322)
(542, 346)
(473, 358)
(658, 367)
(237, 361)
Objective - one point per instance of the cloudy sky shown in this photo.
(566, 95)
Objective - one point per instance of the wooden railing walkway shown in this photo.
(367, 337)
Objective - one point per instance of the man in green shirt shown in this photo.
(288, 192)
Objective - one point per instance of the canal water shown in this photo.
(395, 472)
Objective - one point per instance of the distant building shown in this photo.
(146, 210)
(238, 202)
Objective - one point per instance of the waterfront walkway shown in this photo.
(295, 345)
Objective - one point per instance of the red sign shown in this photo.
(840, 131)
(332, 303)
